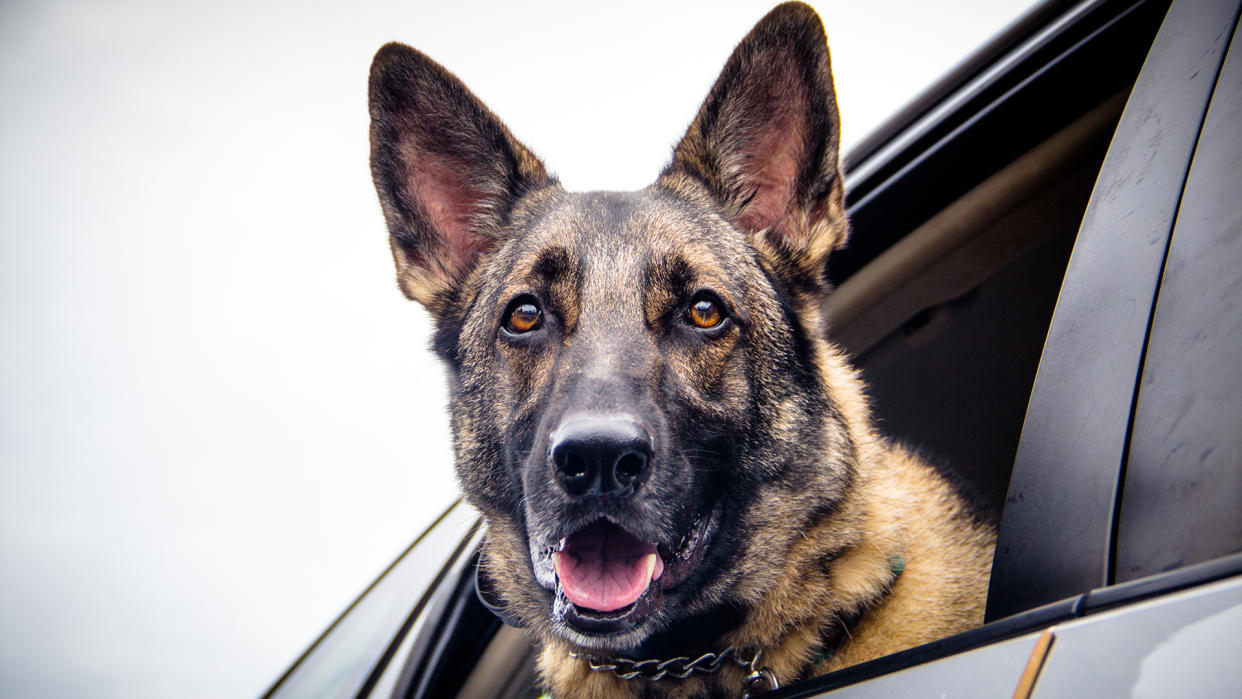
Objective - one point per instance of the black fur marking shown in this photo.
(671, 274)
(692, 636)
(444, 340)
(555, 264)
(675, 273)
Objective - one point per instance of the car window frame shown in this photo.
(1057, 531)
(1177, 503)
(419, 569)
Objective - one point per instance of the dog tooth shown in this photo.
(651, 567)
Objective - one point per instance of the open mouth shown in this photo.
(609, 580)
(604, 568)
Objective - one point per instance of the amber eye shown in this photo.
(523, 316)
(705, 312)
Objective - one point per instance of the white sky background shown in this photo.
(218, 416)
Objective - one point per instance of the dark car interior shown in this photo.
(982, 273)
(956, 258)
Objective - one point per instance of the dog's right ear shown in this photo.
(447, 171)
(764, 144)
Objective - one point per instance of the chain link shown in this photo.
(761, 678)
(653, 669)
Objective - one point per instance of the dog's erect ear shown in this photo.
(447, 171)
(764, 142)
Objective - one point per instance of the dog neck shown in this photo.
(693, 636)
(702, 645)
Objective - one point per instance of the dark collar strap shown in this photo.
(694, 636)
(488, 598)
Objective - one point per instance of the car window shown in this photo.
(343, 659)
(959, 246)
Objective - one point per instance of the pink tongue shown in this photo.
(603, 568)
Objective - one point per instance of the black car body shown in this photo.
(1045, 294)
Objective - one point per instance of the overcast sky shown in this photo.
(219, 420)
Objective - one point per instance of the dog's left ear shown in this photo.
(764, 143)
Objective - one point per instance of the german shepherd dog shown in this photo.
(673, 461)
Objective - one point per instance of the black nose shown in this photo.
(600, 456)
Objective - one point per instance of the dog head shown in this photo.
(639, 407)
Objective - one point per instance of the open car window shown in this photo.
(960, 242)
(1024, 277)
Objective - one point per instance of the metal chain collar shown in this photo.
(761, 679)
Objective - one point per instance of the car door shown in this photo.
(1057, 536)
